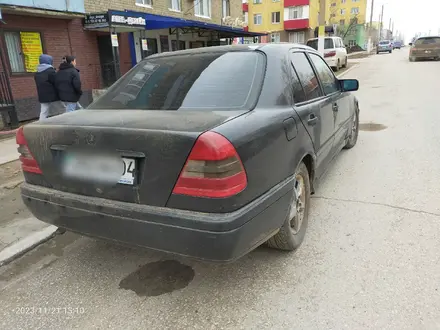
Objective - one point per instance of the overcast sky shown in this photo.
(409, 16)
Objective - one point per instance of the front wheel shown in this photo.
(354, 133)
(292, 233)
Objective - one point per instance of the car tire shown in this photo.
(391, 51)
(412, 59)
(338, 65)
(291, 234)
(345, 63)
(354, 133)
(377, 53)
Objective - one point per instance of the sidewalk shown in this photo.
(19, 230)
(8, 151)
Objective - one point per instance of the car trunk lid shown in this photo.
(153, 144)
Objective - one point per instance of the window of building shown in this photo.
(258, 1)
(295, 12)
(226, 8)
(334, 4)
(174, 5)
(276, 17)
(306, 75)
(202, 8)
(343, 1)
(246, 17)
(342, 11)
(275, 0)
(354, 0)
(342, 22)
(147, 3)
(275, 37)
(24, 49)
(297, 37)
(258, 19)
(355, 10)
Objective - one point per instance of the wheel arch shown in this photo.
(310, 162)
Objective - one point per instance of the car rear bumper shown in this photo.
(332, 61)
(214, 237)
(384, 49)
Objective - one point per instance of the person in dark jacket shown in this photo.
(68, 83)
(45, 81)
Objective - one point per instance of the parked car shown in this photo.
(426, 48)
(335, 53)
(384, 46)
(206, 153)
(397, 45)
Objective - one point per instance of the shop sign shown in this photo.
(32, 49)
(128, 20)
(96, 20)
(237, 22)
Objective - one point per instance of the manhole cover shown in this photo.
(371, 127)
(157, 278)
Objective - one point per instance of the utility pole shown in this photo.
(370, 30)
(381, 24)
(321, 28)
(389, 27)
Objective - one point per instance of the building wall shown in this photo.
(266, 8)
(160, 7)
(334, 7)
(59, 37)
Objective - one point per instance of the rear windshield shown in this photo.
(384, 42)
(226, 81)
(428, 41)
(328, 43)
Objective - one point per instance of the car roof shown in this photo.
(281, 46)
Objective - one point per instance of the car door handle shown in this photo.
(312, 120)
(335, 107)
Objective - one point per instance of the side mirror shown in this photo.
(349, 85)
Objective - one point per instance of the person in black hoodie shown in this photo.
(45, 81)
(68, 83)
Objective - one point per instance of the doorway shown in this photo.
(107, 64)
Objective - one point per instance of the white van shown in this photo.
(335, 53)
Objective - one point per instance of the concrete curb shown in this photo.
(26, 244)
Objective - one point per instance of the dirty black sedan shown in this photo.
(206, 153)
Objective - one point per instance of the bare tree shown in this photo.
(345, 30)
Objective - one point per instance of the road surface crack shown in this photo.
(378, 204)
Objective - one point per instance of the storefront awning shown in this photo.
(156, 22)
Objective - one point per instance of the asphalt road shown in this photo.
(370, 260)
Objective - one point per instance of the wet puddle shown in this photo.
(157, 278)
(371, 127)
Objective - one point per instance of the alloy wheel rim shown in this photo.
(298, 206)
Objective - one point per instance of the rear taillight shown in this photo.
(213, 169)
(28, 162)
(330, 54)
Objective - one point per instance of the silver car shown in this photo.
(384, 46)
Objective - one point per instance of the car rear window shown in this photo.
(328, 43)
(384, 42)
(219, 80)
(428, 41)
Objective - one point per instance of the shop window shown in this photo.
(148, 3)
(174, 5)
(196, 44)
(24, 49)
(174, 45)
(164, 46)
(151, 45)
(275, 37)
(202, 8)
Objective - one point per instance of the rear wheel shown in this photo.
(354, 133)
(391, 51)
(292, 233)
(412, 59)
(345, 63)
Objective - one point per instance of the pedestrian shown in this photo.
(45, 81)
(68, 83)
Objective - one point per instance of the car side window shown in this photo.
(306, 76)
(298, 91)
(328, 80)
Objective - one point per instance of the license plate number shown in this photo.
(129, 171)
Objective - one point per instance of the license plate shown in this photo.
(129, 171)
(103, 168)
